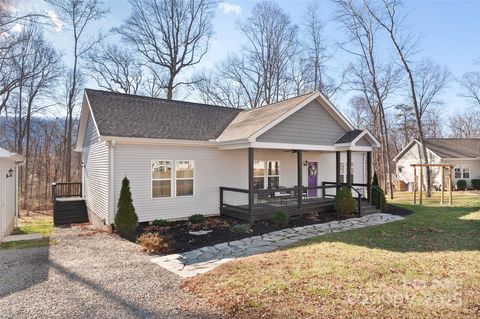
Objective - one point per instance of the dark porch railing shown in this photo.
(60, 190)
(267, 201)
(290, 198)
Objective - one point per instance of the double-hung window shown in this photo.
(184, 178)
(165, 175)
(266, 173)
(343, 172)
(273, 174)
(462, 172)
(161, 179)
(259, 175)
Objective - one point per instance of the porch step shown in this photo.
(368, 209)
(70, 212)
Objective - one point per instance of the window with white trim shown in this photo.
(273, 174)
(462, 172)
(266, 173)
(184, 178)
(259, 175)
(161, 179)
(343, 172)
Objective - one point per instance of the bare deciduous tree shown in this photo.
(170, 35)
(465, 124)
(374, 80)
(115, 69)
(405, 46)
(78, 14)
(272, 42)
(470, 83)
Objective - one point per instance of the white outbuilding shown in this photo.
(9, 163)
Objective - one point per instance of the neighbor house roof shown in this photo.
(454, 147)
(125, 115)
(449, 147)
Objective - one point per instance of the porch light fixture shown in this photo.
(10, 173)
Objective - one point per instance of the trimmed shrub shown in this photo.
(461, 184)
(476, 183)
(153, 243)
(378, 198)
(241, 228)
(344, 202)
(196, 219)
(161, 223)
(126, 220)
(375, 180)
(280, 217)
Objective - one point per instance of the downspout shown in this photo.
(16, 193)
(111, 189)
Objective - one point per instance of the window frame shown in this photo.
(183, 178)
(267, 175)
(461, 169)
(343, 176)
(172, 162)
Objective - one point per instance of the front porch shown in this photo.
(257, 203)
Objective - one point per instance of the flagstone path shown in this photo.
(202, 260)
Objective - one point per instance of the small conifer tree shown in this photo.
(126, 220)
(375, 180)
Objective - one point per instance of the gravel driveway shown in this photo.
(88, 275)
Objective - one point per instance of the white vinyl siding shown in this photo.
(7, 197)
(212, 168)
(95, 157)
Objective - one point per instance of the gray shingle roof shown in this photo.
(349, 136)
(454, 147)
(125, 115)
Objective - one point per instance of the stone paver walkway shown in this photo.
(201, 260)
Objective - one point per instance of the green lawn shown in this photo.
(426, 266)
(37, 224)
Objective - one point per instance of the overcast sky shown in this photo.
(450, 32)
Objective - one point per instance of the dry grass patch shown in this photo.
(427, 266)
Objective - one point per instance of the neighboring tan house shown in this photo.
(187, 158)
(9, 163)
(463, 153)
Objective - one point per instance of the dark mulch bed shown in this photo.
(181, 241)
(397, 210)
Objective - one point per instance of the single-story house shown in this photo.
(9, 163)
(186, 158)
(462, 153)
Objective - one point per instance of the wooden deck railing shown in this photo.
(60, 190)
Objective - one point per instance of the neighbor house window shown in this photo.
(466, 171)
(343, 172)
(462, 172)
(273, 174)
(258, 175)
(184, 177)
(161, 179)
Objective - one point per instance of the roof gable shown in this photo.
(312, 124)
